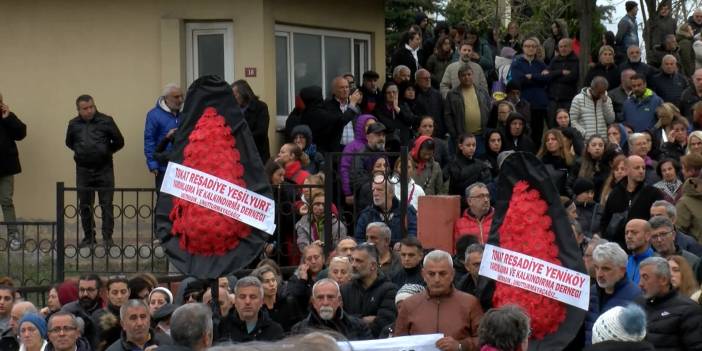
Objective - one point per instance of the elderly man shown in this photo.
(410, 267)
(326, 313)
(638, 242)
(591, 110)
(633, 61)
(469, 283)
(663, 240)
(630, 195)
(507, 327)
(11, 129)
(401, 74)
(441, 308)
(345, 106)
(477, 218)
(94, 137)
(378, 234)
(612, 288)
(669, 83)
(136, 322)
(674, 321)
(307, 273)
(429, 102)
(682, 240)
(450, 80)
(691, 95)
(467, 107)
(191, 328)
(385, 208)
(563, 74)
(249, 323)
(161, 124)
(370, 295)
(620, 94)
(64, 333)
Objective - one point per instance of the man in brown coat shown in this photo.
(441, 308)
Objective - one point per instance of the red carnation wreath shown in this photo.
(527, 229)
(211, 149)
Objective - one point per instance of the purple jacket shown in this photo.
(357, 145)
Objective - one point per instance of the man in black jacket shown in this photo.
(674, 321)
(326, 313)
(137, 333)
(669, 83)
(370, 295)
(94, 138)
(344, 106)
(630, 195)
(563, 73)
(428, 102)
(249, 323)
(11, 130)
(410, 269)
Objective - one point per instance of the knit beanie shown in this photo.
(38, 322)
(408, 290)
(620, 324)
(163, 291)
(582, 185)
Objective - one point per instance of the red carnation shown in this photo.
(211, 149)
(527, 229)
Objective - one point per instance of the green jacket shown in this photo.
(689, 208)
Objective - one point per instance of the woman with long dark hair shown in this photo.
(437, 62)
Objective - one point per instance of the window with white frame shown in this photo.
(307, 56)
(209, 49)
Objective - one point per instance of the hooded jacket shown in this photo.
(590, 117)
(257, 118)
(326, 126)
(689, 209)
(357, 145)
(519, 143)
(316, 158)
(640, 112)
(427, 174)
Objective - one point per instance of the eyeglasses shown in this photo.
(65, 329)
(660, 236)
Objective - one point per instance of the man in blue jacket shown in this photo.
(640, 110)
(385, 208)
(161, 123)
(613, 288)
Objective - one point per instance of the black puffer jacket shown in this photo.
(349, 326)
(378, 300)
(466, 171)
(93, 142)
(673, 322)
(11, 130)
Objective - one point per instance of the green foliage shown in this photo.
(400, 14)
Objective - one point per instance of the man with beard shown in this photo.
(638, 242)
(326, 313)
(612, 288)
(370, 296)
(137, 335)
(450, 79)
(673, 321)
(385, 208)
(89, 302)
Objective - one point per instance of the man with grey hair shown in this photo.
(669, 83)
(429, 311)
(674, 321)
(191, 328)
(385, 208)
(505, 328)
(248, 322)
(591, 110)
(161, 124)
(137, 334)
(663, 241)
(477, 218)
(379, 234)
(467, 106)
(683, 240)
(613, 288)
(401, 74)
(11, 130)
(587, 256)
(326, 313)
(474, 256)
(370, 295)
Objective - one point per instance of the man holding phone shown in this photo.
(11, 130)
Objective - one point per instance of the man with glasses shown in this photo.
(663, 240)
(88, 304)
(64, 334)
(385, 208)
(477, 218)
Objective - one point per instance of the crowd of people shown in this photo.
(624, 152)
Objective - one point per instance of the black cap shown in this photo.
(163, 312)
(375, 128)
(582, 185)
